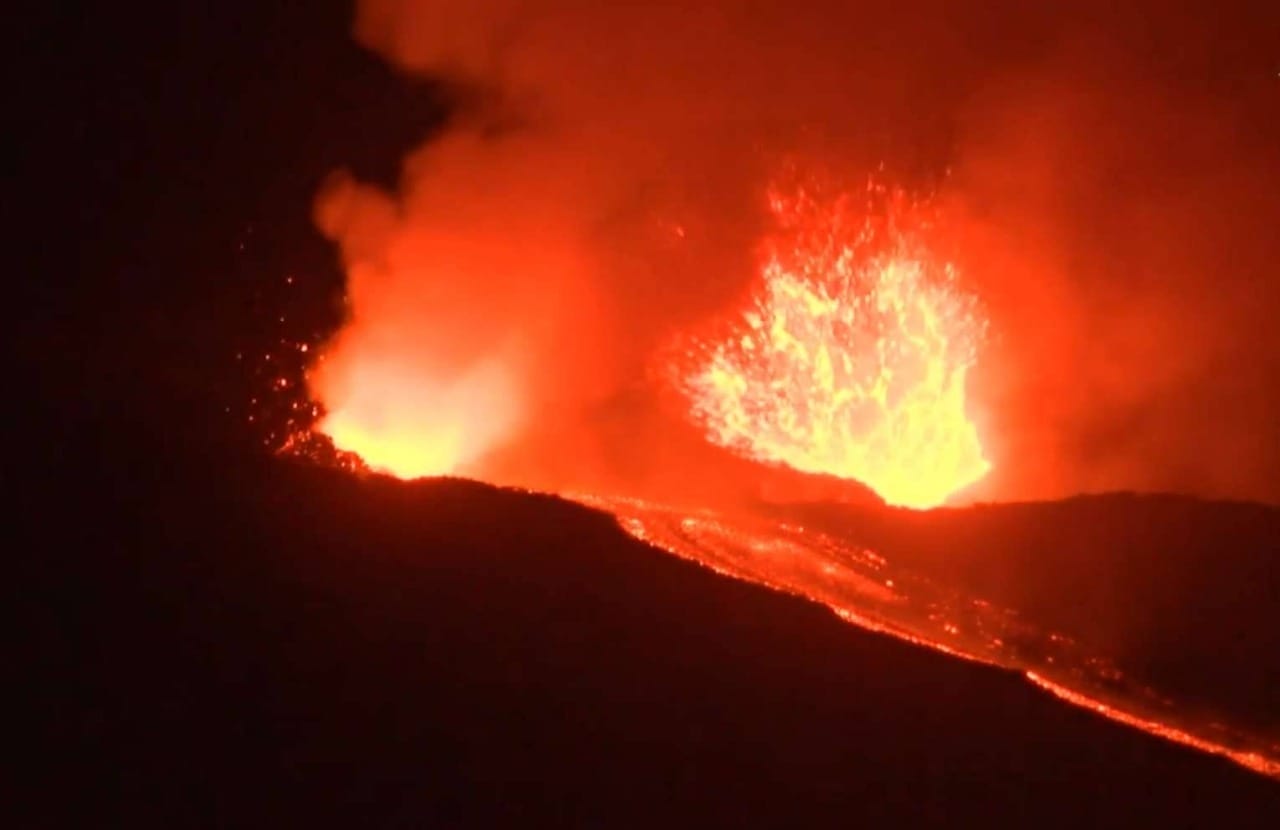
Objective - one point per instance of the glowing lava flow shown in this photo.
(873, 592)
(852, 356)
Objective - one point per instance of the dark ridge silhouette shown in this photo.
(222, 640)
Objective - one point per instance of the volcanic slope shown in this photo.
(1183, 593)
(226, 641)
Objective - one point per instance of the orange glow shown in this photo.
(470, 312)
(851, 357)
(399, 420)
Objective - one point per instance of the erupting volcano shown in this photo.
(852, 356)
(522, 413)
(849, 360)
(692, 311)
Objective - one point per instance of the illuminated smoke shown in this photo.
(456, 314)
(597, 192)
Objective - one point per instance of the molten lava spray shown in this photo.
(852, 355)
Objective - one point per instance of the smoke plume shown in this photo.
(600, 188)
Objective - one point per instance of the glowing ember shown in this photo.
(851, 357)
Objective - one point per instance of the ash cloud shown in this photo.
(600, 188)
(1120, 217)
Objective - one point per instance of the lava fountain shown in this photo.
(851, 356)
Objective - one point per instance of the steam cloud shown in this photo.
(600, 187)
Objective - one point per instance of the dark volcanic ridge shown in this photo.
(218, 640)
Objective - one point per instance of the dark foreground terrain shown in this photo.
(216, 640)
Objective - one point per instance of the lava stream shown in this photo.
(868, 590)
